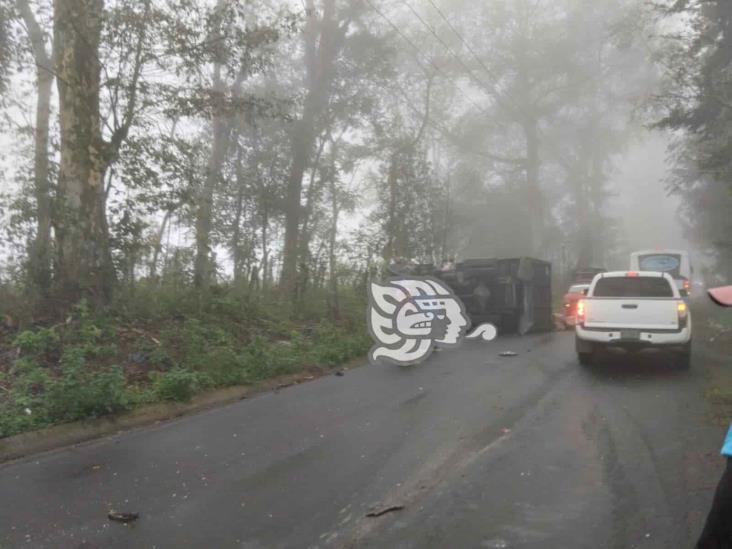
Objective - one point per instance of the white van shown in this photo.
(674, 262)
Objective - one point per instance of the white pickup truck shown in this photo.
(633, 310)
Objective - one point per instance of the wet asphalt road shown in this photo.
(483, 452)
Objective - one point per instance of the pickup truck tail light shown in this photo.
(581, 308)
(682, 310)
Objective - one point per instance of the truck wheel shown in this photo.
(585, 351)
(585, 358)
(683, 358)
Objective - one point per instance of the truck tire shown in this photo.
(683, 358)
(585, 359)
(585, 351)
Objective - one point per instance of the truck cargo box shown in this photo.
(513, 294)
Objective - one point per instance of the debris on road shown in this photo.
(340, 373)
(123, 517)
(508, 353)
(379, 511)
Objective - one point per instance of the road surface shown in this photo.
(481, 451)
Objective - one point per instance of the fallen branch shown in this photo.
(384, 510)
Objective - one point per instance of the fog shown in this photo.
(205, 200)
(647, 212)
(341, 135)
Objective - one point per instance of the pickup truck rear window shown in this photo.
(642, 286)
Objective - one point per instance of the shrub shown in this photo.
(22, 408)
(264, 359)
(78, 393)
(223, 366)
(36, 342)
(177, 384)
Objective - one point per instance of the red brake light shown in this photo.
(631, 274)
(581, 311)
(687, 284)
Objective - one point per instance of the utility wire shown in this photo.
(491, 74)
(421, 64)
(465, 43)
(490, 90)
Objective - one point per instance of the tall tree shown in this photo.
(83, 259)
(40, 253)
(323, 38)
(696, 102)
(5, 42)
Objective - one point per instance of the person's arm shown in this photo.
(717, 532)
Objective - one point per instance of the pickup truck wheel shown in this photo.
(585, 358)
(683, 358)
(585, 351)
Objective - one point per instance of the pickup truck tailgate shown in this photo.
(642, 313)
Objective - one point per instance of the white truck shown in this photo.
(633, 310)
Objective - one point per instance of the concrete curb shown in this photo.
(69, 434)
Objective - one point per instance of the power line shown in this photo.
(492, 92)
(445, 132)
(490, 73)
(417, 59)
(465, 43)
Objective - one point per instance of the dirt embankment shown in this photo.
(713, 339)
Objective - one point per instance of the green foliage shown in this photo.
(39, 398)
(80, 392)
(23, 407)
(36, 342)
(177, 385)
(337, 346)
(70, 372)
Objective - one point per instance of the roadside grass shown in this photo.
(161, 345)
(716, 332)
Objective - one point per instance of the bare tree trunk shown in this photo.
(534, 195)
(159, 244)
(312, 194)
(301, 145)
(203, 266)
(265, 248)
(332, 263)
(392, 221)
(395, 244)
(40, 256)
(323, 40)
(83, 256)
(236, 232)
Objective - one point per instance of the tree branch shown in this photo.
(120, 133)
(36, 35)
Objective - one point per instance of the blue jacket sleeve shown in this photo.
(727, 448)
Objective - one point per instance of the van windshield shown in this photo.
(666, 263)
(642, 286)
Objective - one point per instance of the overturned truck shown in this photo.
(512, 294)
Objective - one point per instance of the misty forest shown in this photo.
(195, 194)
